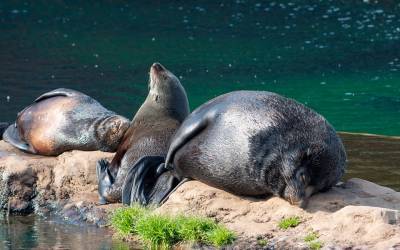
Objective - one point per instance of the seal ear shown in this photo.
(141, 179)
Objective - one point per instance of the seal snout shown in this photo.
(157, 67)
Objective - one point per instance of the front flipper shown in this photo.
(189, 129)
(12, 136)
(140, 180)
(105, 179)
(58, 92)
(172, 185)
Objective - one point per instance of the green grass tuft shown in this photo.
(220, 236)
(312, 241)
(262, 242)
(124, 219)
(315, 245)
(161, 231)
(195, 228)
(158, 231)
(311, 237)
(289, 222)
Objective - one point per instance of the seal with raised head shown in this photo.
(250, 143)
(150, 132)
(63, 120)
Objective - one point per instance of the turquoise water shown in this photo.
(341, 58)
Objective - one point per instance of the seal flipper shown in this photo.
(105, 179)
(141, 179)
(58, 92)
(12, 136)
(183, 135)
(170, 191)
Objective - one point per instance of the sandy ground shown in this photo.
(354, 215)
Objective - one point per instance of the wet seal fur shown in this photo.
(63, 120)
(250, 143)
(150, 132)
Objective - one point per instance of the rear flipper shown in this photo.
(105, 179)
(12, 136)
(144, 185)
(3, 127)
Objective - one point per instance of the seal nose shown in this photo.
(157, 67)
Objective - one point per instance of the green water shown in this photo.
(339, 57)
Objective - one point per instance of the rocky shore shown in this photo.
(355, 214)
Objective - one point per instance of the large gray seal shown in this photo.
(63, 120)
(150, 132)
(249, 143)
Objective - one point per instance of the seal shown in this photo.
(150, 132)
(63, 120)
(250, 143)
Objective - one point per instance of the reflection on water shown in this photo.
(32, 232)
(373, 158)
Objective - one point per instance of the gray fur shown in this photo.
(257, 143)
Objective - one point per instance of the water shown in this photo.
(34, 232)
(373, 158)
(341, 58)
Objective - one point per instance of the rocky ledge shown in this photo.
(355, 214)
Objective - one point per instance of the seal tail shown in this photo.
(12, 136)
(144, 185)
(3, 127)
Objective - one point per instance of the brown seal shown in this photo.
(161, 114)
(63, 120)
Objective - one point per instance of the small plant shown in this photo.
(315, 245)
(161, 231)
(311, 236)
(220, 236)
(158, 231)
(195, 228)
(124, 219)
(262, 242)
(293, 221)
(313, 242)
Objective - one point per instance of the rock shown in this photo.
(66, 184)
(359, 214)
(356, 214)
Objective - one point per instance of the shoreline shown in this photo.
(67, 185)
(369, 135)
